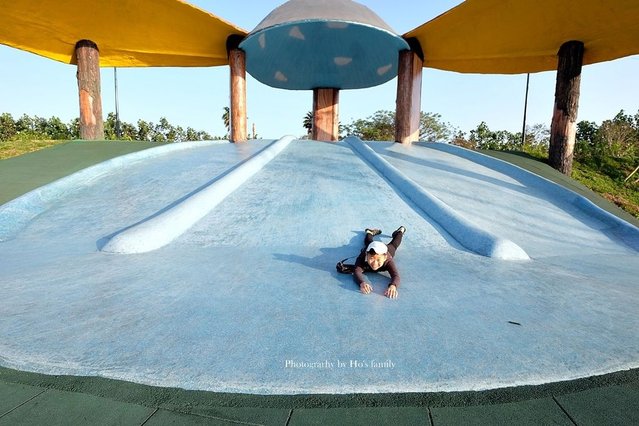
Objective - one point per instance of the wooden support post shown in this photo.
(88, 75)
(409, 94)
(237, 62)
(325, 114)
(564, 120)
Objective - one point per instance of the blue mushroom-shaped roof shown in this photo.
(307, 44)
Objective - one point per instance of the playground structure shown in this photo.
(84, 306)
(300, 46)
(102, 278)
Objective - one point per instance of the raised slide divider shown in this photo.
(161, 228)
(464, 231)
(17, 213)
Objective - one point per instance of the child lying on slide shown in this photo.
(377, 256)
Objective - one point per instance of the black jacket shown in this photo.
(362, 266)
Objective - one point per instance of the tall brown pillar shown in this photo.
(564, 120)
(409, 94)
(237, 62)
(325, 114)
(88, 75)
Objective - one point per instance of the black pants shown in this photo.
(392, 246)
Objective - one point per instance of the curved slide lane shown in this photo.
(17, 213)
(163, 227)
(465, 232)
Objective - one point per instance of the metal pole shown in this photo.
(118, 131)
(523, 129)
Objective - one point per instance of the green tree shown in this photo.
(191, 134)
(41, 127)
(381, 127)
(109, 127)
(433, 129)
(587, 132)
(620, 136)
(587, 143)
(378, 127)
(74, 128)
(56, 129)
(25, 125)
(308, 122)
(617, 138)
(538, 134)
(144, 131)
(157, 132)
(483, 138)
(8, 128)
(128, 130)
(226, 119)
(177, 134)
(31, 128)
(164, 130)
(204, 136)
(537, 140)
(38, 128)
(459, 139)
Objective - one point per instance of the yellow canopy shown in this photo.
(129, 33)
(520, 36)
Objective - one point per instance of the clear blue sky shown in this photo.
(196, 97)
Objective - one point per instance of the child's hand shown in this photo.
(365, 288)
(391, 292)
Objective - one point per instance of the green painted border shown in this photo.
(182, 400)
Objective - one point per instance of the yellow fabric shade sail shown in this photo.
(129, 33)
(520, 36)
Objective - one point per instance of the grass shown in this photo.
(17, 147)
(623, 194)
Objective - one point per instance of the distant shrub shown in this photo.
(38, 128)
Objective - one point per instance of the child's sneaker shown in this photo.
(373, 231)
(401, 229)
